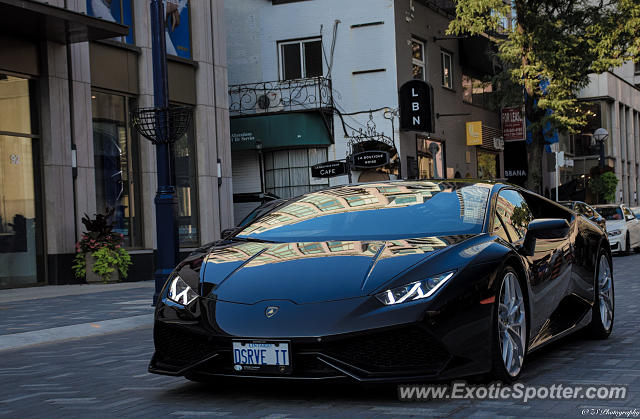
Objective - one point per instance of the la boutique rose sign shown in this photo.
(370, 159)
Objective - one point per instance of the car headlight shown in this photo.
(415, 290)
(614, 233)
(180, 292)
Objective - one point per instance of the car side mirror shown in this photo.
(543, 228)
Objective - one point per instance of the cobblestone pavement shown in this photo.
(106, 376)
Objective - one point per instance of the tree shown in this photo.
(604, 185)
(548, 49)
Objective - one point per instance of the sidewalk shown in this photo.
(39, 315)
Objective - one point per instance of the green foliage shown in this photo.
(104, 245)
(106, 262)
(604, 185)
(559, 42)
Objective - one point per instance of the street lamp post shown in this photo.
(165, 201)
(600, 135)
(162, 125)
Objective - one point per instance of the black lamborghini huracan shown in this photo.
(388, 281)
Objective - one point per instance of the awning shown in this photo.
(39, 21)
(293, 129)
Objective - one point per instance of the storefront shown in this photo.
(20, 221)
(35, 145)
(273, 154)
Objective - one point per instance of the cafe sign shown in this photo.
(370, 159)
(329, 169)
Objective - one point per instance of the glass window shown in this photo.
(499, 229)
(116, 164)
(439, 209)
(430, 159)
(288, 172)
(514, 212)
(301, 59)
(447, 69)
(20, 246)
(488, 165)
(118, 11)
(418, 60)
(610, 213)
(185, 180)
(477, 91)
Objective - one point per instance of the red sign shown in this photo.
(513, 124)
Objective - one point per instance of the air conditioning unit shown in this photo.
(268, 101)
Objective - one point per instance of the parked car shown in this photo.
(587, 211)
(623, 227)
(390, 281)
(636, 212)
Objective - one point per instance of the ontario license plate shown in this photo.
(261, 356)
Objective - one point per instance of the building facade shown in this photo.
(67, 146)
(316, 81)
(613, 103)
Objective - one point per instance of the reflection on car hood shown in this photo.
(308, 272)
(615, 225)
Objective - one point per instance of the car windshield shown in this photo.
(610, 213)
(377, 211)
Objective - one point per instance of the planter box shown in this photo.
(94, 278)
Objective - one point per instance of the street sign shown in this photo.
(416, 106)
(370, 159)
(329, 169)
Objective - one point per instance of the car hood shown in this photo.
(616, 225)
(310, 272)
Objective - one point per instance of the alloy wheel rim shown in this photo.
(512, 324)
(605, 293)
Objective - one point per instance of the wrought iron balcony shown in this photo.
(280, 96)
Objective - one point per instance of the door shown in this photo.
(633, 226)
(550, 264)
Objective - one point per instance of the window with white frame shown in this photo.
(300, 59)
(418, 60)
(447, 69)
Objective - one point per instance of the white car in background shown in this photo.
(623, 227)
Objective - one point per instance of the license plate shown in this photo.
(261, 356)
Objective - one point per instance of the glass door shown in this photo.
(19, 220)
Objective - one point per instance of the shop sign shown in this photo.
(513, 124)
(498, 143)
(474, 133)
(515, 162)
(416, 106)
(370, 159)
(329, 169)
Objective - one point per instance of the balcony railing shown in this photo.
(280, 96)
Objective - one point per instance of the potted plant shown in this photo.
(100, 256)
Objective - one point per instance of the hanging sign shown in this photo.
(513, 124)
(416, 106)
(370, 159)
(329, 169)
(474, 133)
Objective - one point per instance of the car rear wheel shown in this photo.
(603, 307)
(510, 326)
